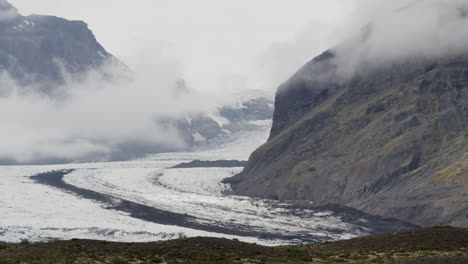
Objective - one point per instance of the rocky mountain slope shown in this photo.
(391, 141)
(39, 49)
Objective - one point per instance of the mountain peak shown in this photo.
(47, 40)
(7, 11)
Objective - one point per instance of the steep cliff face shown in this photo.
(391, 142)
(39, 49)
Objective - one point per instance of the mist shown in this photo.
(385, 32)
(92, 117)
(7, 11)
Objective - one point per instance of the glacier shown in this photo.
(33, 210)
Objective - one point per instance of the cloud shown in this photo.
(386, 32)
(282, 59)
(220, 43)
(7, 11)
(92, 117)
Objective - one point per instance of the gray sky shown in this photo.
(230, 44)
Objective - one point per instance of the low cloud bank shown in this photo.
(385, 32)
(92, 117)
(7, 11)
(380, 33)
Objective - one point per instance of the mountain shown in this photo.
(390, 141)
(39, 49)
(202, 128)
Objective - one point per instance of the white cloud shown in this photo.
(385, 32)
(7, 11)
(94, 119)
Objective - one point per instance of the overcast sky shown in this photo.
(230, 44)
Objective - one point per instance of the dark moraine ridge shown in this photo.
(140, 211)
(210, 164)
(362, 221)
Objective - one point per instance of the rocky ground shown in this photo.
(435, 245)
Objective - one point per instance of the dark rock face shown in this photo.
(38, 49)
(304, 91)
(391, 142)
